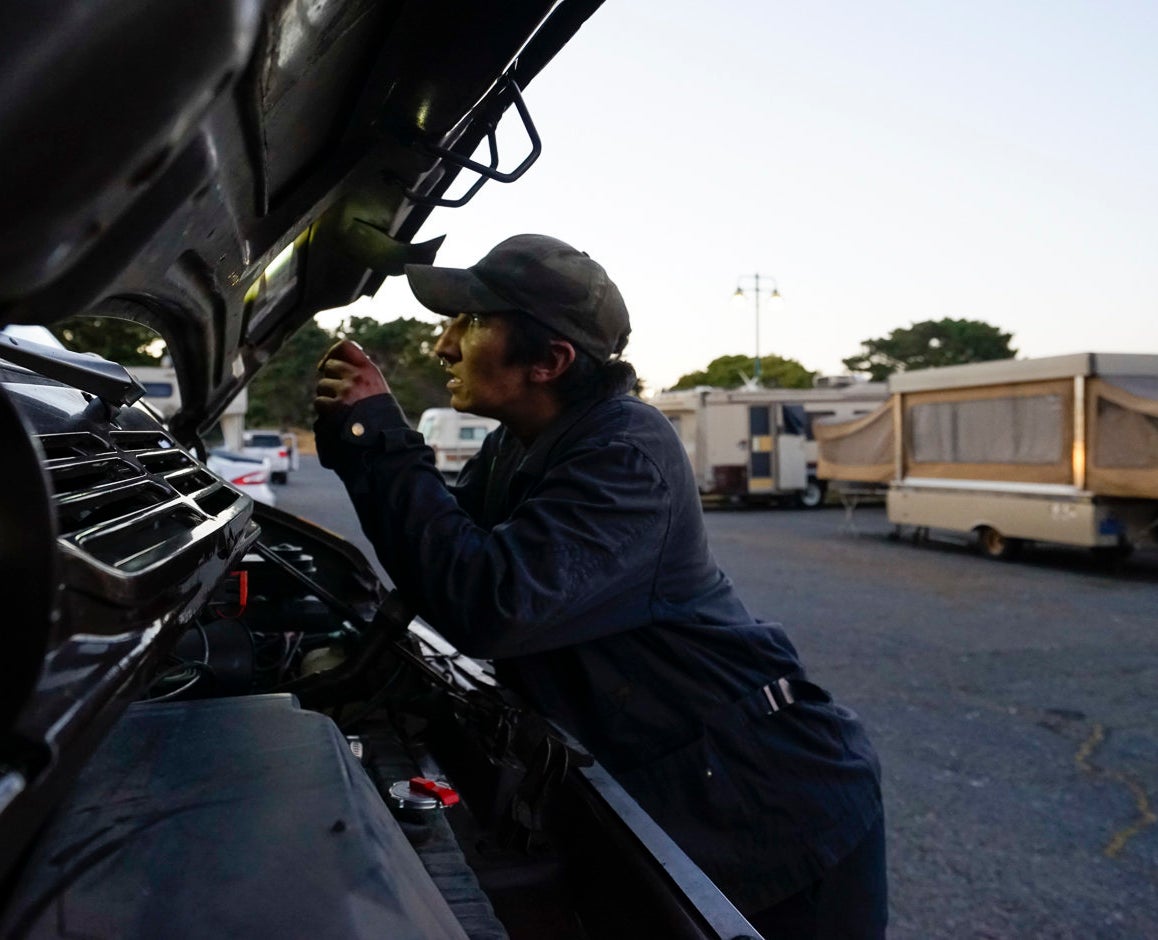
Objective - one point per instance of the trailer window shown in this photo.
(797, 421)
(1125, 439)
(1025, 430)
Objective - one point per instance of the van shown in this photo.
(454, 436)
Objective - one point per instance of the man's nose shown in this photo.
(446, 347)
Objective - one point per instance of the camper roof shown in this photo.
(1025, 370)
(860, 391)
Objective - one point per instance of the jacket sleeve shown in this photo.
(576, 560)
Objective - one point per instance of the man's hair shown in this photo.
(529, 342)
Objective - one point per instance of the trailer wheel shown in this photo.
(995, 545)
(812, 496)
(1113, 555)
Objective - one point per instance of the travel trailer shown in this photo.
(756, 445)
(1061, 449)
(454, 436)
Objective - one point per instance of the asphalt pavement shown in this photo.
(1014, 706)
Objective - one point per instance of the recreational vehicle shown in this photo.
(454, 436)
(756, 445)
(1061, 449)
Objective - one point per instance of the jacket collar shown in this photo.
(533, 460)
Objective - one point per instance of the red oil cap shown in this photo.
(446, 795)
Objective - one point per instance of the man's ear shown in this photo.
(558, 361)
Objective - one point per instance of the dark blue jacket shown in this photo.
(581, 566)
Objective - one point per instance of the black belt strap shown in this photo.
(778, 694)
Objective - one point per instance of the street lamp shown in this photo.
(755, 279)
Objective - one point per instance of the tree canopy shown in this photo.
(123, 341)
(282, 393)
(736, 370)
(929, 344)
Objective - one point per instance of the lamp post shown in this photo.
(755, 279)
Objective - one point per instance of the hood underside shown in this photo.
(160, 156)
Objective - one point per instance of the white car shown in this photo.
(248, 474)
(278, 447)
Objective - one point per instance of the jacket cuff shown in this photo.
(346, 433)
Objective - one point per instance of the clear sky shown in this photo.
(883, 163)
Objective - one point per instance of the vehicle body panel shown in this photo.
(251, 475)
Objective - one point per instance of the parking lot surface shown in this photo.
(1014, 705)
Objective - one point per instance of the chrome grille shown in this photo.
(134, 500)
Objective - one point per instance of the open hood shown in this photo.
(222, 172)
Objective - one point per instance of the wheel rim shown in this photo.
(993, 542)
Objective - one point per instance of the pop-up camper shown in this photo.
(1061, 449)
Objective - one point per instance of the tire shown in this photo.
(992, 544)
(1112, 555)
(813, 494)
(279, 476)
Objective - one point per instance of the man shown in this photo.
(573, 553)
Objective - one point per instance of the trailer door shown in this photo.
(791, 462)
(760, 453)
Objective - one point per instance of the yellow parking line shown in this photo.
(1146, 815)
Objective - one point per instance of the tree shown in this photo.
(123, 341)
(734, 371)
(929, 344)
(281, 395)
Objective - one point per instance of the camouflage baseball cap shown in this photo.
(553, 283)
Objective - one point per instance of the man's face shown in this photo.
(482, 381)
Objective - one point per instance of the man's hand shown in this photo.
(346, 376)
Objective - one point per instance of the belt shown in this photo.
(779, 694)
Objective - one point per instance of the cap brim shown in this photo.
(451, 291)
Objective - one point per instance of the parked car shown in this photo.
(278, 447)
(454, 436)
(248, 474)
(215, 720)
